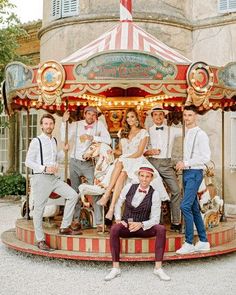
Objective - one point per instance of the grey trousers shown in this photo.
(42, 186)
(84, 168)
(166, 171)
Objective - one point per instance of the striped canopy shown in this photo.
(127, 36)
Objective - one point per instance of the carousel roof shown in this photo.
(127, 36)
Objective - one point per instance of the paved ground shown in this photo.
(26, 274)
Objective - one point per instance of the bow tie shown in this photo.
(88, 127)
(160, 128)
(142, 191)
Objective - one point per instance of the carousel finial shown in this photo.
(126, 10)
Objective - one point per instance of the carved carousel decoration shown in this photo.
(125, 67)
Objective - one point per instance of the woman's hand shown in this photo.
(122, 222)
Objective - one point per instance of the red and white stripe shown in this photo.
(126, 10)
(127, 36)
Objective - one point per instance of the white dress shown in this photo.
(131, 165)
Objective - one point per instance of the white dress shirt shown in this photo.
(76, 129)
(200, 150)
(50, 154)
(159, 140)
(136, 201)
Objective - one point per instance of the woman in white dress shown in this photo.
(133, 142)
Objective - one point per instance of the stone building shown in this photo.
(200, 30)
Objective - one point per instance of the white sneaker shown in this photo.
(186, 249)
(202, 246)
(115, 272)
(161, 274)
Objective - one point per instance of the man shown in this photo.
(162, 139)
(140, 219)
(42, 159)
(84, 132)
(196, 154)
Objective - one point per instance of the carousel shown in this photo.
(125, 67)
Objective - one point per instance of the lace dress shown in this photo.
(131, 165)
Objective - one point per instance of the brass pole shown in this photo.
(27, 169)
(66, 151)
(223, 218)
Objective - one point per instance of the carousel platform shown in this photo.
(93, 246)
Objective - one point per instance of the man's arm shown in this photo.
(31, 156)
(205, 152)
(155, 212)
(104, 134)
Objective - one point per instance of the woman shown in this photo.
(133, 142)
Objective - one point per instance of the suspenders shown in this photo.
(193, 146)
(41, 148)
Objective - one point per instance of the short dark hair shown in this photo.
(48, 116)
(191, 107)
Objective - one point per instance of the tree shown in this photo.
(10, 30)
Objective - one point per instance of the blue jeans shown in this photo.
(189, 206)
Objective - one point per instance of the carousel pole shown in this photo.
(66, 150)
(223, 218)
(27, 169)
(126, 10)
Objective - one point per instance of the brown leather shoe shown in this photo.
(75, 225)
(69, 231)
(44, 247)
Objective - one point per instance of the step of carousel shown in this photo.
(91, 246)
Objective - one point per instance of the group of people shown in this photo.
(143, 163)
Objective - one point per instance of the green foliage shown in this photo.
(12, 184)
(10, 30)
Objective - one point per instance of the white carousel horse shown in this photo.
(102, 153)
(210, 205)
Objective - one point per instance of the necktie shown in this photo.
(160, 128)
(142, 191)
(88, 127)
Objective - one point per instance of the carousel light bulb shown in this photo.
(109, 103)
(141, 103)
(122, 103)
(84, 104)
(129, 103)
(179, 104)
(78, 104)
(210, 104)
(166, 104)
(172, 104)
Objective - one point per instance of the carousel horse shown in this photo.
(210, 205)
(103, 156)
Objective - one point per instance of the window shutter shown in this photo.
(223, 6)
(56, 9)
(232, 5)
(70, 7)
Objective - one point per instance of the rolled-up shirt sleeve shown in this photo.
(31, 156)
(104, 135)
(155, 212)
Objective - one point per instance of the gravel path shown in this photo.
(26, 274)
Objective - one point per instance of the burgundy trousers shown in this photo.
(120, 231)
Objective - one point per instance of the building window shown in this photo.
(23, 141)
(225, 6)
(3, 143)
(233, 141)
(64, 8)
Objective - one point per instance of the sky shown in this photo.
(28, 10)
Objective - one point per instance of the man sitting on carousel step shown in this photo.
(140, 219)
(42, 158)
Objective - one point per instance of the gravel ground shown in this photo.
(27, 274)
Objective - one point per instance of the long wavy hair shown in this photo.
(126, 127)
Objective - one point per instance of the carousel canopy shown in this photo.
(126, 66)
(127, 36)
